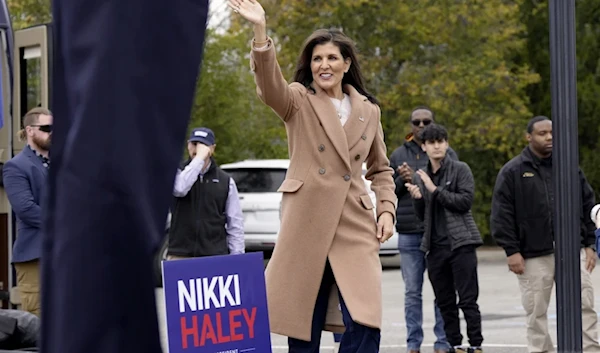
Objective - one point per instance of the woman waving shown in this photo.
(329, 237)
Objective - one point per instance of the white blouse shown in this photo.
(342, 107)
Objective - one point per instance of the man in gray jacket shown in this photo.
(443, 194)
(405, 160)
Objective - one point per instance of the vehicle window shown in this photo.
(257, 180)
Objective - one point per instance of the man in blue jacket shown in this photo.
(24, 181)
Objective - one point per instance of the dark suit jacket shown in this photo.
(24, 181)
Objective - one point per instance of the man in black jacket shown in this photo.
(443, 194)
(405, 160)
(522, 223)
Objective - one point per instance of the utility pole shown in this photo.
(565, 175)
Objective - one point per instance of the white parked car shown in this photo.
(257, 182)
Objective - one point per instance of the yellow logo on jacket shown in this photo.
(528, 175)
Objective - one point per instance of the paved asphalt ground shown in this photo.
(499, 300)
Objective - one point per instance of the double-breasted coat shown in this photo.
(326, 210)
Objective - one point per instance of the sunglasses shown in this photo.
(418, 122)
(44, 128)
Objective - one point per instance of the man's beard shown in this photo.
(43, 144)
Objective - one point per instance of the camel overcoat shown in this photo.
(326, 210)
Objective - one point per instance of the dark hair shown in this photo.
(422, 107)
(433, 132)
(535, 120)
(347, 48)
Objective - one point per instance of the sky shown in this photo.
(218, 13)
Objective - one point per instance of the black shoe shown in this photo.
(458, 349)
(475, 350)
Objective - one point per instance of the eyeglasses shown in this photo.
(44, 128)
(418, 122)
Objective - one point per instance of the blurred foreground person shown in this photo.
(123, 83)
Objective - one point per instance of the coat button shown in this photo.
(357, 157)
(322, 171)
(321, 148)
(364, 137)
(346, 177)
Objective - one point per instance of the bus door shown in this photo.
(31, 88)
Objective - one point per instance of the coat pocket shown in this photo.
(366, 202)
(290, 185)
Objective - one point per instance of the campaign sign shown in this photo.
(217, 304)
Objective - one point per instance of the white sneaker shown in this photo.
(336, 347)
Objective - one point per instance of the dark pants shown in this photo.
(452, 272)
(356, 339)
(124, 77)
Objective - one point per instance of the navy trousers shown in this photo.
(356, 339)
(123, 80)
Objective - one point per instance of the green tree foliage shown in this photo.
(226, 102)
(453, 56)
(534, 14)
(26, 13)
(482, 66)
(588, 89)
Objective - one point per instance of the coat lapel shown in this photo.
(358, 121)
(327, 115)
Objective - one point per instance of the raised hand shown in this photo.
(406, 172)
(251, 10)
(202, 151)
(426, 180)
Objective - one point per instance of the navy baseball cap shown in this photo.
(203, 135)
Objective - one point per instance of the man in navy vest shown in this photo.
(124, 75)
(207, 217)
